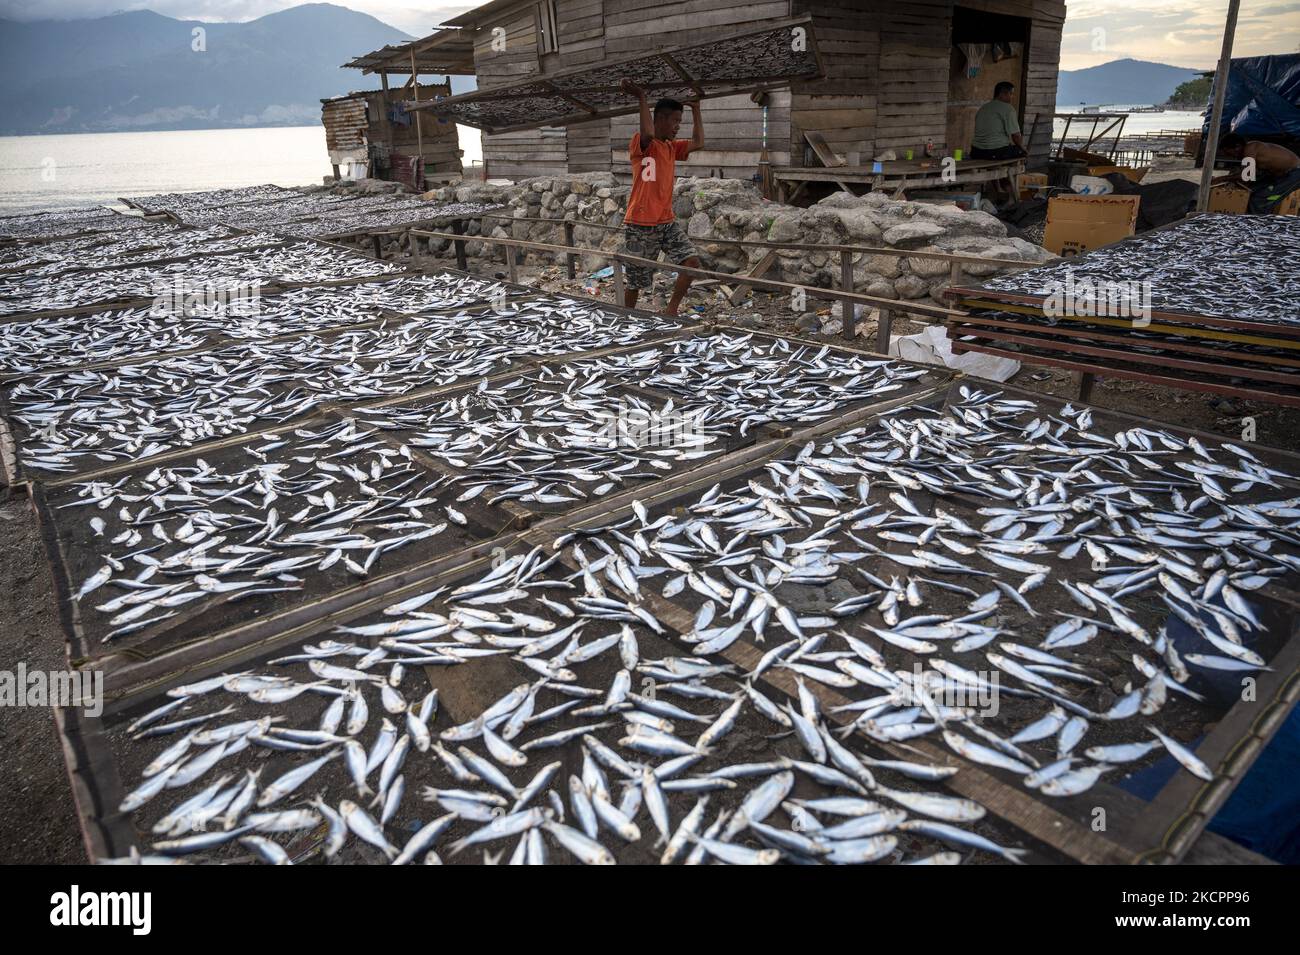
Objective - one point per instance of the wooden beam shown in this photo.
(686, 77)
(1216, 114)
(569, 97)
(914, 307)
(848, 313)
(761, 268)
(417, 174)
(458, 228)
(388, 123)
(620, 292)
(884, 326)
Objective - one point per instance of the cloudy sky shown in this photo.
(1180, 32)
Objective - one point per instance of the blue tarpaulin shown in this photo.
(1263, 97)
(1263, 812)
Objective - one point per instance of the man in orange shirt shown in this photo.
(649, 227)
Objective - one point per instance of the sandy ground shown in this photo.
(1164, 169)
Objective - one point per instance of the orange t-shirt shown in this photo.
(651, 201)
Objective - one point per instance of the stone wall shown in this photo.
(733, 209)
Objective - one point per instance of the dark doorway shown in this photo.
(987, 48)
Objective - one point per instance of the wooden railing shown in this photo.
(845, 295)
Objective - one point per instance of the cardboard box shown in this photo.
(1228, 197)
(1091, 186)
(1130, 173)
(1079, 224)
(1030, 184)
(1091, 159)
(1233, 198)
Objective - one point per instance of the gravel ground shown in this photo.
(37, 818)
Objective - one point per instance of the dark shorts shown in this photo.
(646, 242)
(1265, 196)
(1006, 152)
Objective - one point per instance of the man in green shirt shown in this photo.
(997, 129)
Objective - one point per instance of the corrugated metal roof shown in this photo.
(345, 121)
(446, 51)
(484, 11)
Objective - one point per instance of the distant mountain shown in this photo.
(1122, 82)
(143, 71)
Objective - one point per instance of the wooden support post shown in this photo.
(848, 320)
(378, 253)
(458, 227)
(337, 177)
(512, 263)
(417, 175)
(570, 259)
(883, 328)
(619, 295)
(954, 276)
(388, 123)
(763, 266)
(1216, 110)
(1086, 380)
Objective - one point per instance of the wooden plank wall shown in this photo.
(357, 120)
(582, 42)
(913, 70)
(531, 152)
(582, 32)
(912, 103)
(842, 107)
(436, 136)
(641, 26)
(518, 59)
(733, 125)
(887, 85)
(1044, 65)
(588, 146)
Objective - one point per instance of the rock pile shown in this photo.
(711, 209)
